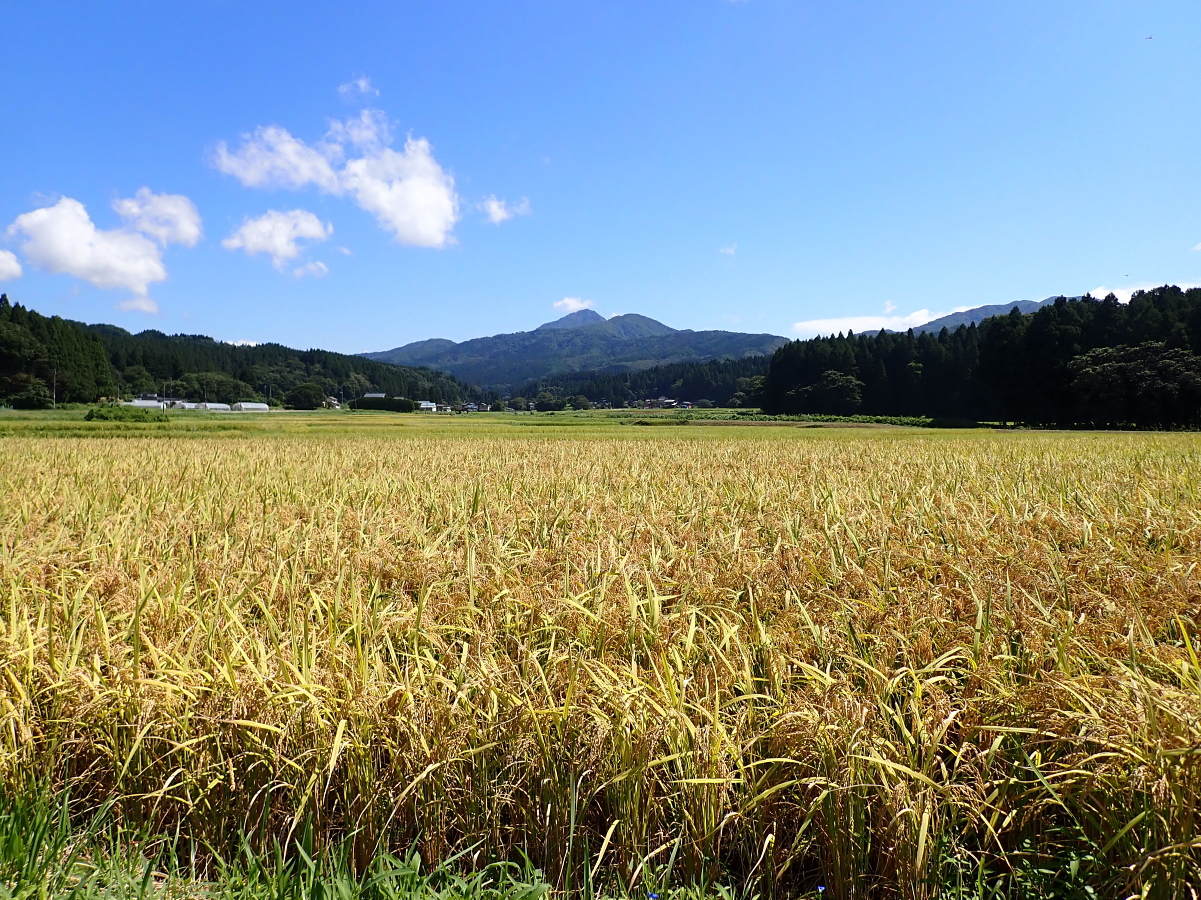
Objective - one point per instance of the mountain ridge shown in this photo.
(978, 314)
(576, 343)
(577, 319)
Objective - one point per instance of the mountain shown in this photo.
(45, 357)
(579, 342)
(978, 314)
(577, 319)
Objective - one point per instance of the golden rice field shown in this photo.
(884, 662)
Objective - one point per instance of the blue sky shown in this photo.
(356, 176)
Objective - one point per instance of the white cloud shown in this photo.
(407, 191)
(139, 304)
(345, 251)
(167, 218)
(62, 238)
(370, 131)
(499, 211)
(243, 343)
(358, 87)
(729, 250)
(316, 269)
(277, 233)
(10, 268)
(889, 307)
(1124, 293)
(815, 327)
(271, 157)
(572, 304)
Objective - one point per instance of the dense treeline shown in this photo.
(188, 365)
(46, 358)
(1081, 362)
(723, 382)
(94, 361)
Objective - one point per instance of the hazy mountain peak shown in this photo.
(632, 325)
(577, 319)
(978, 314)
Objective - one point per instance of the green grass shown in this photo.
(43, 854)
(623, 424)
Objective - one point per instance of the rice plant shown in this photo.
(878, 664)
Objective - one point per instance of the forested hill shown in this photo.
(84, 362)
(1079, 362)
(723, 382)
(582, 341)
(41, 356)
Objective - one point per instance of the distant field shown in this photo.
(615, 422)
(882, 661)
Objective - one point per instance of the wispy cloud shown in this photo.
(357, 87)
(816, 327)
(728, 250)
(315, 269)
(1124, 292)
(572, 304)
(498, 211)
(139, 304)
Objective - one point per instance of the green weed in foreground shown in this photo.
(42, 856)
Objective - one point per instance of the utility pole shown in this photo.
(54, 400)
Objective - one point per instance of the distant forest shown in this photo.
(723, 382)
(1074, 363)
(1081, 362)
(45, 357)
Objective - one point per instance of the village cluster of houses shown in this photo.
(664, 403)
(422, 405)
